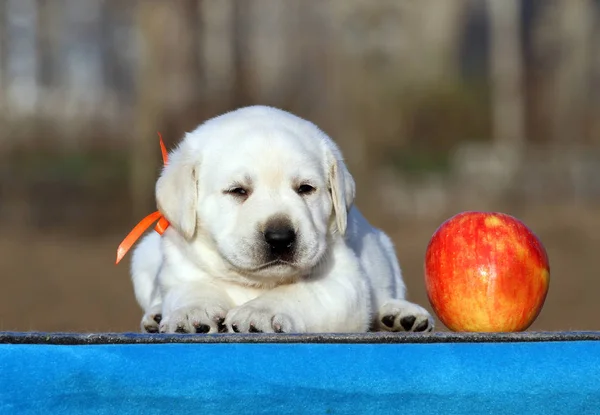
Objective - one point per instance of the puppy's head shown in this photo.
(264, 188)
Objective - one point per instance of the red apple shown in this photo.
(486, 272)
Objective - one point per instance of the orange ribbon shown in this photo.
(145, 223)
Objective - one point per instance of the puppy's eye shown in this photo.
(305, 189)
(238, 191)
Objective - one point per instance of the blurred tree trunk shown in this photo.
(48, 50)
(22, 82)
(242, 70)
(3, 51)
(595, 112)
(575, 24)
(168, 83)
(439, 24)
(44, 41)
(182, 65)
(217, 52)
(506, 66)
(148, 107)
(564, 44)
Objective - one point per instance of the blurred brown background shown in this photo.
(439, 106)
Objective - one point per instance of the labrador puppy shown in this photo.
(264, 237)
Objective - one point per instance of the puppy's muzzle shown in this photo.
(281, 240)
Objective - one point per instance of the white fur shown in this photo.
(209, 264)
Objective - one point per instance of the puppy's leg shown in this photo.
(402, 315)
(194, 308)
(396, 313)
(153, 313)
(145, 266)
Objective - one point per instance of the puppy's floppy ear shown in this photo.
(342, 188)
(177, 193)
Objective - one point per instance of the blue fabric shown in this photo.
(442, 378)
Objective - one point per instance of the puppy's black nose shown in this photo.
(280, 238)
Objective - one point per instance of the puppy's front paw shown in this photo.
(254, 318)
(151, 320)
(200, 319)
(402, 315)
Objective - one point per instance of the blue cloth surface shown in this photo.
(440, 378)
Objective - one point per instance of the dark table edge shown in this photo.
(51, 338)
